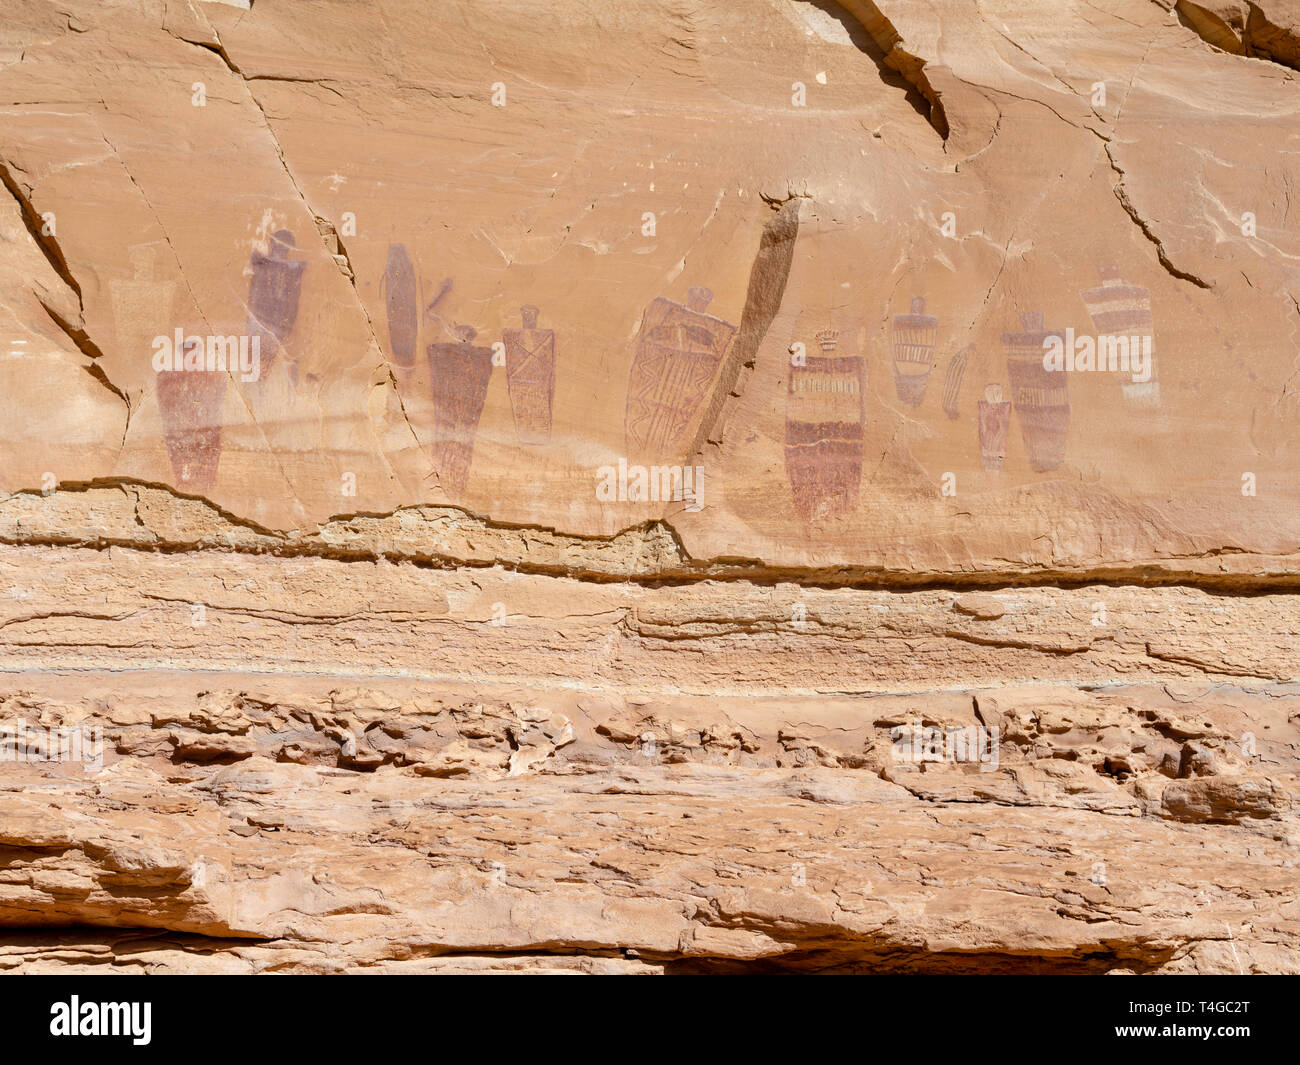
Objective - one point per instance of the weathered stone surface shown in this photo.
(537, 777)
(815, 213)
(393, 668)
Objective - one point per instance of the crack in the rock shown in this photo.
(1206, 666)
(767, 281)
(1020, 48)
(81, 340)
(1250, 37)
(74, 331)
(1011, 643)
(324, 83)
(1147, 232)
(346, 267)
(657, 539)
(48, 244)
(997, 128)
(910, 67)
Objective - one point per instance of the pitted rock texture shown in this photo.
(349, 766)
(535, 486)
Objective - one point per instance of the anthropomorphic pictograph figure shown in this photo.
(530, 374)
(273, 294)
(459, 373)
(1041, 397)
(678, 353)
(825, 419)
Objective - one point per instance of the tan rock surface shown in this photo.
(393, 670)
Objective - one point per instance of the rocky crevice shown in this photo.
(318, 830)
(1244, 28)
(47, 243)
(443, 537)
(1161, 253)
(898, 58)
(767, 282)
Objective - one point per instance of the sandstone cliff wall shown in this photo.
(642, 426)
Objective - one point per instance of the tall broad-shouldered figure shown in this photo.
(1123, 310)
(530, 376)
(459, 373)
(400, 290)
(678, 353)
(273, 296)
(915, 335)
(952, 381)
(190, 402)
(143, 303)
(994, 419)
(825, 421)
(1040, 396)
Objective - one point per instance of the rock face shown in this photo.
(650, 488)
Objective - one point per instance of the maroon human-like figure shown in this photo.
(530, 375)
(401, 298)
(825, 421)
(459, 373)
(915, 335)
(190, 402)
(678, 352)
(1041, 397)
(1120, 309)
(994, 414)
(952, 381)
(273, 297)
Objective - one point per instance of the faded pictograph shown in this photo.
(825, 420)
(1040, 396)
(273, 294)
(994, 415)
(952, 379)
(1118, 309)
(459, 373)
(400, 290)
(190, 401)
(140, 300)
(530, 377)
(914, 337)
(678, 352)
